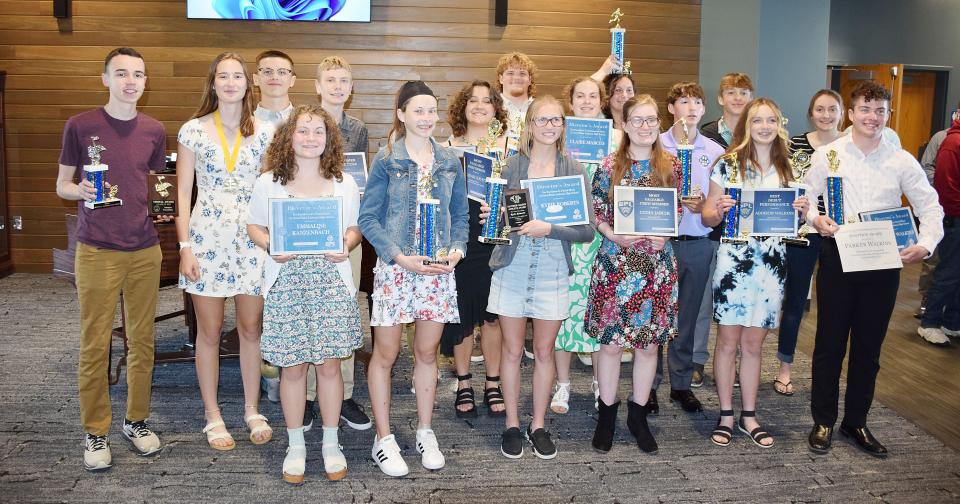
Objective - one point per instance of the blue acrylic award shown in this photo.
(305, 225)
(561, 201)
(477, 168)
(904, 226)
(772, 211)
(355, 163)
(587, 140)
(650, 211)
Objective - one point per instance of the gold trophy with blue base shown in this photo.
(734, 189)
(95, 173)
(685, 156)
(495, 186)
(799, 164)
(833, 196)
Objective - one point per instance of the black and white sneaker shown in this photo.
(142, 439)
(96, 453)
(353, 415)
(511, 443)
(310, 412)
(543, 446)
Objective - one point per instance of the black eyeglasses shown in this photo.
(637, 122)
(542, 121)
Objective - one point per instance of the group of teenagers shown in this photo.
(585, 289)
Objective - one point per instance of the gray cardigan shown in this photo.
(515, 171)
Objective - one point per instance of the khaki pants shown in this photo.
(346, 370)
(102, 274)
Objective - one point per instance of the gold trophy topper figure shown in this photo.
(94, 150)
(799, 163)
(731, 162)
(615, 18)
(162, 186)
(834, 162)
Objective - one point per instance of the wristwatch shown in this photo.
(185, 244)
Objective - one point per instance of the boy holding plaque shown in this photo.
(310, 312)
(334, 86)
(748, 281)
(117, 250)
(855, 307)
(693, 248)
(633, 289)
(471, 113)
(531, 276)
(411, 178)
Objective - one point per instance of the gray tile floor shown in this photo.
(40, 436)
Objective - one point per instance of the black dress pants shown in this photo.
(854, 307)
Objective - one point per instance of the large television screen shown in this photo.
(281, 10)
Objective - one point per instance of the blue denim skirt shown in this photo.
(535, 284)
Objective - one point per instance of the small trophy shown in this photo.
(731, 221)
(94, 173)
(495, 186)
(616, 43)
(834, 195)
(429, 209)
(162, 194)
(517, 208)
(800, 163)
(685, 155)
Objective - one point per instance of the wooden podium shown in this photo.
(63, 267)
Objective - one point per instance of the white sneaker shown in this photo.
(143, 440)
(950, 332)
(585, 359)
(934, 336)
(595, 387)
(272, 387)
(560, 403)
(429, 448)
(294, 464)
(96, 453)
(386, 454)
(334, 463)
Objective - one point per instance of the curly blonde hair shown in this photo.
(282, 161)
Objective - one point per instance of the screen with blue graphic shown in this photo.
(281, 10)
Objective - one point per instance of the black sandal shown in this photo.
(493, 396)
(722, 430)
(758, 434)
(465, 396)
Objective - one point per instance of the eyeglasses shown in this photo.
(282, 72)
(542, 121)
(637, 122)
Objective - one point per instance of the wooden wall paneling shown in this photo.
(52, 75)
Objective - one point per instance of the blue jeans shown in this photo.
(800, 264)
(943, 297)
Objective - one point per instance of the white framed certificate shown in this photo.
(868, 246)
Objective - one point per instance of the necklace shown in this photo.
(229, 158)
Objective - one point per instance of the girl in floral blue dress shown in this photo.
(310, 313)
(633, 290)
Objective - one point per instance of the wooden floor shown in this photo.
(918, 380)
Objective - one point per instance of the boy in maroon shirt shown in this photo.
(117, 250)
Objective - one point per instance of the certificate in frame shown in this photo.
(308, 226)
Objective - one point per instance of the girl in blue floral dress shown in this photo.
(633, 290)
(310, 313)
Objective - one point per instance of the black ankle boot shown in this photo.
(637, 423)
(606, 426)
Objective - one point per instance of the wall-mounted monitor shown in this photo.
(281, 10)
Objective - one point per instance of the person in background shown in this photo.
(619, 89)
(736, 90)
(517, 84)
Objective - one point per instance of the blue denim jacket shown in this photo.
(388, 213)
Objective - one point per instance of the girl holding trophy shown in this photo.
(310, 313)
(222, 147)
(748, 282)
(414, 213)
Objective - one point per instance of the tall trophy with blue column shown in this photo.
(800, 164)
(685, 156)
(734, 189)
(95, 173)
(495, 186)
(617, 41)
(428, 210)
(833, 196)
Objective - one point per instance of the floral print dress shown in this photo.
(230, 263)
(633, 293)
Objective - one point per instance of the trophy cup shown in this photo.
(685, 155)
(616, 43)
(428, 209)
(495, 186)
(834, 194)
(94, 173)
(734, 189)
(799, 164)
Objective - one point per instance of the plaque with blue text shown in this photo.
(305, 225)
(561, 201)
(355, 163)
(587, 140)
(477, 169)
(904, 226)
(650, 211)
(772, 212)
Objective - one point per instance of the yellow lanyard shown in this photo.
(230, 158)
